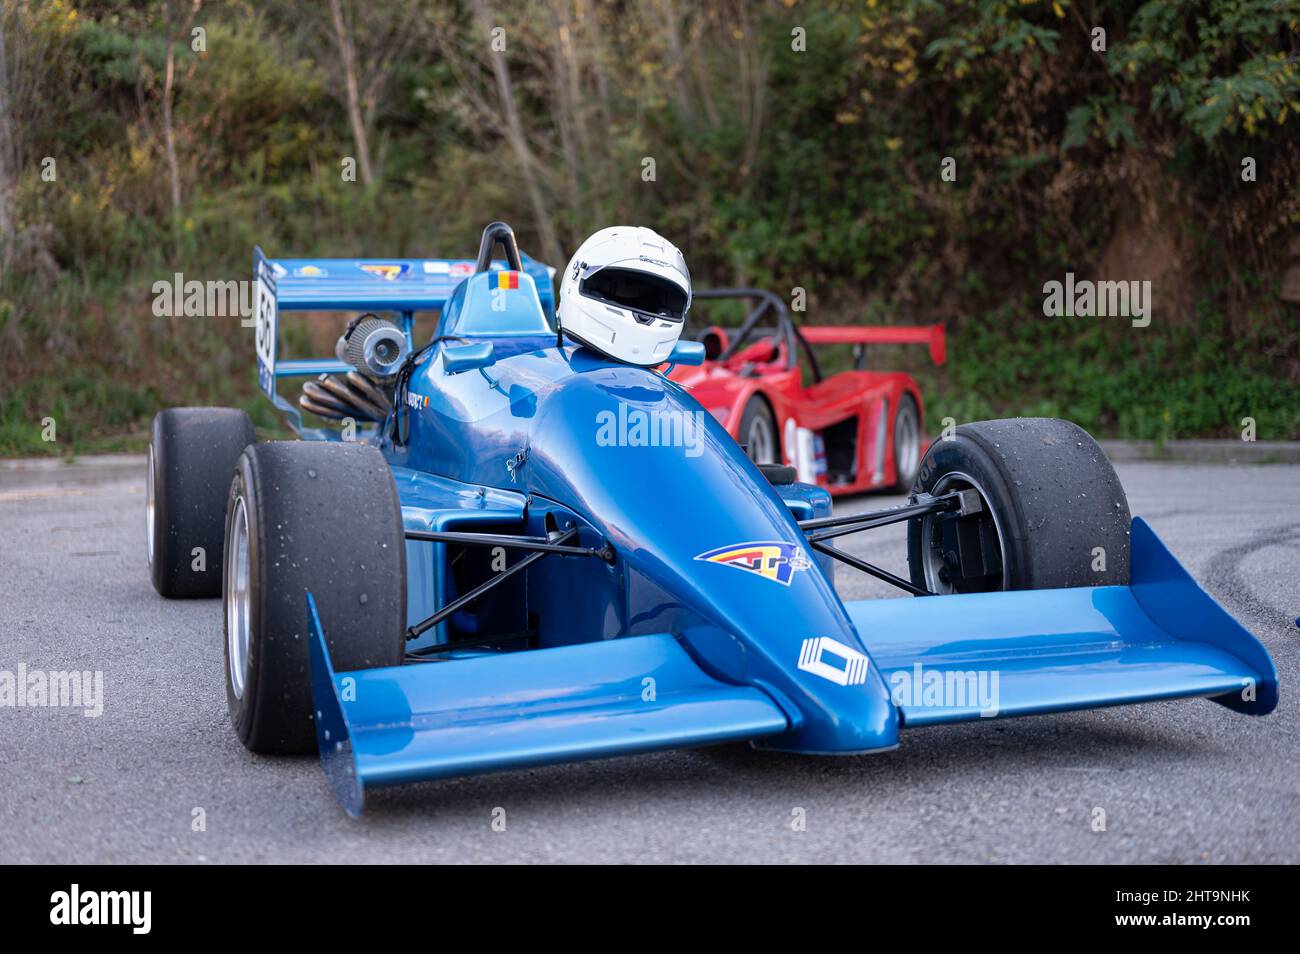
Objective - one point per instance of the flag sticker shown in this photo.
(507, 279)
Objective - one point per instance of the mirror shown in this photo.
(687, 352)
(468, 357)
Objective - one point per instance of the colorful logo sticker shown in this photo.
(507, 279)
(771, 561)
(462, 268)
(310, 271)
(844, 667)
(387, 272)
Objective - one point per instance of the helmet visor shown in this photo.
(637, 291)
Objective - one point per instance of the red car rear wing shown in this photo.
(931, 335)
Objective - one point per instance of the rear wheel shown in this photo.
(192, 451)
(758, 432)
(1052, 511)
(307, 516)
(907, 443)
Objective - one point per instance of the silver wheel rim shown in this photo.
(759, 442)
(149, 508)
(237, 598)
(931, 556)
(907, 442)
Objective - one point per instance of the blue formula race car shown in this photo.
(517, 550)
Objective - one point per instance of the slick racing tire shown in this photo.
(192, 451)
(307, 516)
(758, 432)
(1052, 512)
(907, 443)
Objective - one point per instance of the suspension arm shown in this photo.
(870, 569)
(538, 544)
(540, 547)
(962, 502)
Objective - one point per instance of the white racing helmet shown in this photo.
(625, 293)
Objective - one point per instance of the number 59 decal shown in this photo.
(264, 317)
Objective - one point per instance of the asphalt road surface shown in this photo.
(1182, 781)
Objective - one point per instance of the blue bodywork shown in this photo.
(502, 430)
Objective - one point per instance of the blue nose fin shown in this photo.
(961, 658)
(511, 710)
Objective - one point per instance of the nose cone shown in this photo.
(711, 551)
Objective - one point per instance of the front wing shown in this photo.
(1162, 637)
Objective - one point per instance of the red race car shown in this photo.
(850, 432)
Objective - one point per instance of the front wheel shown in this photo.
(307, 516)
(1052, 511)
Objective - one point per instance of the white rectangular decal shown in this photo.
(848, 668)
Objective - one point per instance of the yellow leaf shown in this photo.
(1056, 8)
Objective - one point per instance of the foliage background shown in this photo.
(817, 168)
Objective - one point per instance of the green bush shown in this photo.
(817, 169)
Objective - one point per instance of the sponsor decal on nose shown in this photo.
(772, 560)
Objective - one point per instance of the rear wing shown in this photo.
(770, 304)
(398, 286)
(932, 335)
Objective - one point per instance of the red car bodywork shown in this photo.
(863, 403)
